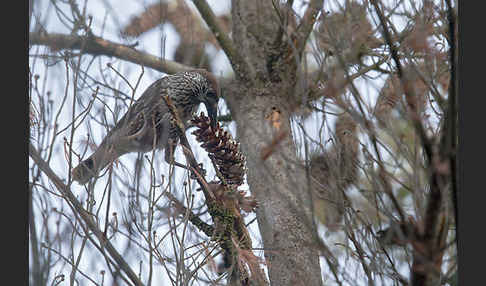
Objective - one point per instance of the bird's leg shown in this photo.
(169, 158)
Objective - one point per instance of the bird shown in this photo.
(148, 123)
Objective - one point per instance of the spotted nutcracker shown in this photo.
(149, 116)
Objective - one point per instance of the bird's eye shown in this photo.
(89, 163)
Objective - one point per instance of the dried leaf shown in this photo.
(275, 118)
(347, 32)
(185, 20)
(147, 20)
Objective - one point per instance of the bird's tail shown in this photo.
(90, 167)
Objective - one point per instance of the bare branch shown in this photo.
(308, 21)
(239, 64)
(449, 143)
(408, 93)
(99, 46)
(193, 218)
(428, 250)
(71, 199)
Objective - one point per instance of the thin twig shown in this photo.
(239, 64)
(451, 114)
(193, 218)
(406, 87)
(308, 21)
(426, 246)
(90, 223)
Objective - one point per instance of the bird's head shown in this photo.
(208, 93)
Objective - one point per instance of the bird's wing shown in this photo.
(141, 113)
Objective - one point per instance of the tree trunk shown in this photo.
(259, 103)
(278, 183)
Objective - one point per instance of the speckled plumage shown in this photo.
(148, 122)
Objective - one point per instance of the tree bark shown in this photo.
(278, 183)
(260, 105)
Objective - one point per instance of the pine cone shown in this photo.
(222, 149)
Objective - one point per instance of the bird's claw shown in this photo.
(200, 170)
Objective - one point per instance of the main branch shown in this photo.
(308, 21)
(240, 66)
(99, 46)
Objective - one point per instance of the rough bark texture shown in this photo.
(262, 113)
(284, 215)
(254, 27)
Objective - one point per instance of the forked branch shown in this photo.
(239, 64)
(85, 216)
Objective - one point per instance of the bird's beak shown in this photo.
(212, 108)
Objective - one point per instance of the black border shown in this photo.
(472, 121)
